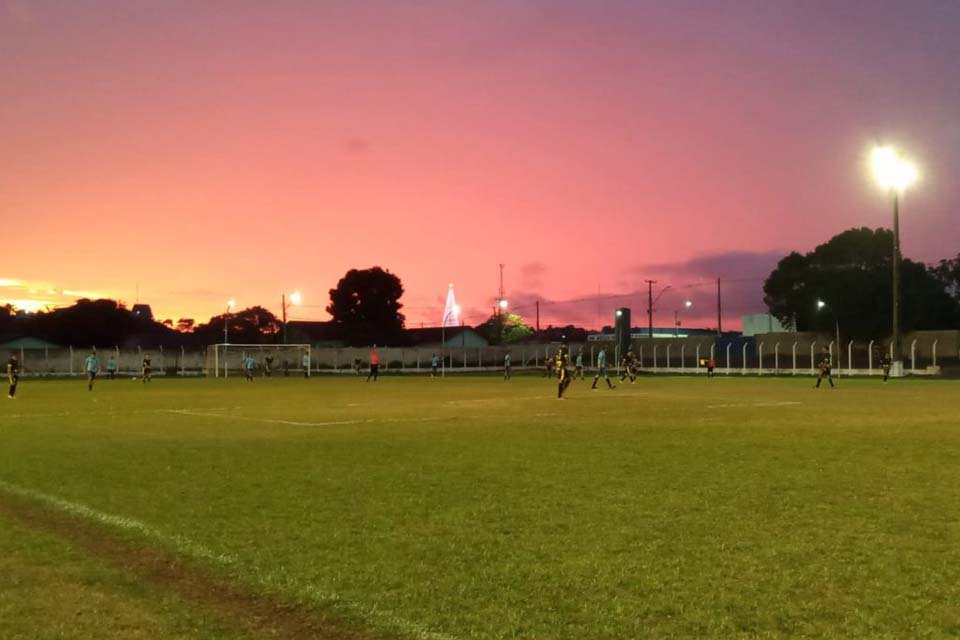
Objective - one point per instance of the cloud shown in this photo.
(728, 264)
(356, 146)
(531, 274)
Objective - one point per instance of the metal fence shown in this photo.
(775, 355)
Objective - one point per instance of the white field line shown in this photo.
(752, 404)
(269, 581)
(297, 423)
(99, 414)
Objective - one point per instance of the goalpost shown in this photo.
(271, 359)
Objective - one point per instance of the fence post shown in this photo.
(935, 353)
(813, 345)
(744, 363)
(795, 343)
(641, 359)
(183, 361)
(655, 356)
(870, 357)
(730, 344)
(760, 361)
(849, 357)
(71, 361)
(776, 359)
(683, 360)
(913, 356)
(668, 355)
(698, 358)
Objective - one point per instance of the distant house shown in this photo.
(435, 337)
(318, 334)
(27, 343)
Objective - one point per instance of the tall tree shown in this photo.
(948, 273)
(505, 328)
(254, 325)
(851, 274)
(365, 306)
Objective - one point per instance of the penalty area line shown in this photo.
(269, 581)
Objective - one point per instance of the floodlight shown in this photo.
(688, 304)
(821, 304)
(231, 303)
(892, 171)
(296, 298)
(503, 304)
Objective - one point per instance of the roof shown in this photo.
(28, 342)
(436, 335)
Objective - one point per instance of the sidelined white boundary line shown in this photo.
(266, 580)
(296, 423)
(753, 404)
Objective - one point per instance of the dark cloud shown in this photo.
(356, 146)
(729, 264)
(531, 274)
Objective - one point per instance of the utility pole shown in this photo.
(538, 316)
(500, 293)
(719, 311)
(650, 284)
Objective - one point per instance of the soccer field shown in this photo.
(470, 507)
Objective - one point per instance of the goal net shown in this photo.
(225, 360)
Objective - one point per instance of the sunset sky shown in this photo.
(198, 151)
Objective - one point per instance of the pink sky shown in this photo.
(243, 149)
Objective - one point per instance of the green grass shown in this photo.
(476, 508)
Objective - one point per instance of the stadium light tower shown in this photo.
(455, 312)
(820, 305)
(895, 175)
(231, 303)
(676, 317)
(295, 299)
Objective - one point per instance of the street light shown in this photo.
(295, 299)
(226, 318)
(676, 318)
(455, 312)
(820, 305)
(895, 175)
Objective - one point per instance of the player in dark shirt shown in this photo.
(146, 369)
(885, 363)
(562, 361)
(629, 364)
(825, 368)
(13, 375)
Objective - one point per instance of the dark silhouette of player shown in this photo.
(825, 370)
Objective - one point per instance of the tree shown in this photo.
(254, 325)
(365, 306)
(505, 328)
(852, 274)
(948, 273)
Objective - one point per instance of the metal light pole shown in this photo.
(676, 318)
(894, 174)
(226, 319)
(455, 311)
(820, 305)
(294, 299)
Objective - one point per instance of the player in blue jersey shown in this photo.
(602, 370)
(92, 366)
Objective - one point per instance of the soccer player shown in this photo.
(602, 370)
(13, 375)
(146, 369)
(548, 366)
(92, 367)
(374, 364)
(825, 368)
(578, 371)
(885, 364)
(268, 366)
(711, 363)
(248, 366)
(306, 365)
(562, 361)
(111, 367)
(434, 364)
(506, 366)
(628, 362)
